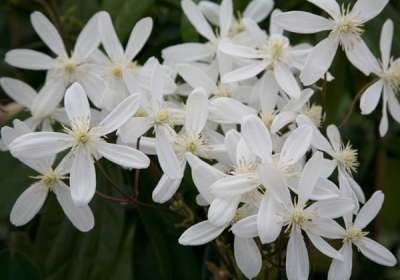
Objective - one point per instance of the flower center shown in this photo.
(140, 113)
(193, 144)
(162, 116)
(50, 179)
(347, 156)
(314, 113)
(244, 167)
(70, 66)
(299, 217)
(348, 27)
(117, 71)
(224, 92)
(133, 65)
(268, 119)
(354, 234)
(80, 131)
(239, 27)
(276, 47)
(392, 76)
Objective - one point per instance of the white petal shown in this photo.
(341, 270)
(324, 189)
(200, 234)
(28, 204)
(109, 37)
(327, 228)
(244, 73)
(384, 123)
(267, 221)
(286, 80)
(81, 217)
(229, 110)
(303, 22)
(281, 120)
(134, 128)
(296, 145)
(232, 138)
(370, 209)
(393, 102)
(312, 171)
(210, 11)
(362, 58)
(48, 99)
(166, 155)
(386, 42)
(297, 262)
(370, 98)
(257, 137)
(233, 185)
(324, 246)
(246, 227)
(319, 60)
(19, 91)
(197, 78)
(165, 189)
(376, 252)
(222, 211)
(139, 36)
(334, 137)
(332, 208)
(368, 9)
(329, 6)
(197, 19)
(267, 89)
(94, 87)
(119, 115)
(225, 17)
(255, 32)
(88, 39)
(29, 59)
(76, 103)
(187, 52)
(247, 256)
(82, 178)
(40, 144)
(48, 33)
(238, 50)
(123, 155)
(258, 10)
(196, 111)
(271, 177)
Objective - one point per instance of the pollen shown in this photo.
(70, 66)
(117, 71)
(163, 116)
(239, 27)
(347, 156)
(392, 76)
(348, 25)
(224, 92)
(354, 234)
(193, 144)
(298, 217)
(50, 179)
(314, 113)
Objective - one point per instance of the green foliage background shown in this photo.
(137, 242)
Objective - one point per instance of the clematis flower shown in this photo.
(87, 143)
(64, 69)
(355, 234)
(388, 73)
(346, 26)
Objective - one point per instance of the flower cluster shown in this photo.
(236, 108)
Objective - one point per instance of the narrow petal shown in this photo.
(376, 252)
(324, 246)
(228, 110)
(196, 111)
(384, 123)
(258, 10)
(296, 145)
(48, 33)
(139, 36)
(368, 9)
(197, 78)
(40, 144)
(134, 128)
(332, 208)
(82, 178)
(222, 210)
(123, 155)
(233, 185)
(28, 204)
(76, 103)
(165, 189)
(370, 209)
(370, 98)
(88, 40)
(48, 99)
(81, 217)
(197, 19)
(109, 37)
(246, 227)
(271, 177)
(282, 119)
(29, 59)
(362, 58)
(257, 137)
(393, 103)
(247, 256)
(239, 50)
(200, 234)
(286, 80)
(267, 222)
(297, 262)
(210, 11)
(341, 270)
(225, 17)
(319, 60)
(386, 42)
(312, 171)
(303, 22)
(94, 86)
(19, 91)
(327, 228)
(119, 115)
(187, 52)
(244, 73)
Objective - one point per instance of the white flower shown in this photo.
(87, 142)
(64, 69)
(120, 69)
(388, 82)
(346, 27)
(278, 210)
(355, 234)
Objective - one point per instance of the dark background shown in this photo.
(140, 242)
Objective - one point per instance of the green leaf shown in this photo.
(16, 266)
